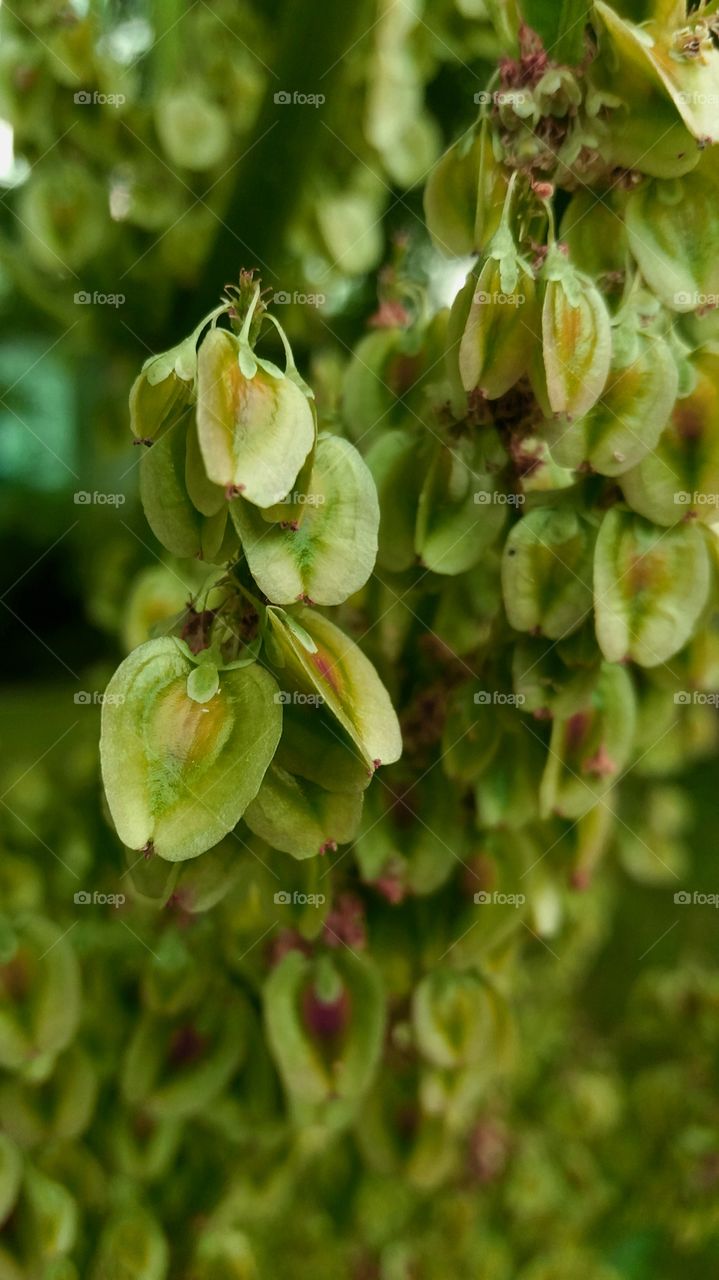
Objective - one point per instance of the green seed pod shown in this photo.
(178, 773)
(650, 585)
(194, 132)
(506, 792)
(633, 409)
(594, 233)
(454, 1016)
(576, 339)
(10, 1176)
(547, 681)
(497, 341)
(547, 572)
(132, 1247)
(314, 747)
(325, 662)
(459, 517)
(655, 129)
(62, 212)
(167, 506)
(472, 732)
(588, 751)
(331, 554)
(57, 1109)
(207, 497)
(301, 818)
(325, 1021)
(254, 431)
(397, 463)
(175, 1068)
(204, 882)
(48, 1216)
(674, 235)
(163, 390)
(224, 1255)
(39, 996)
(680, 479)
(464, 195)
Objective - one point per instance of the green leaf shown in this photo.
(346, 681)
(179, 774)
(300, 817)
(650, 586)
(331, 553)
(254, 433)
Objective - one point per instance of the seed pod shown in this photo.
(163, 390)
(325, 1024)
(576, 339)
(674, 235)
(179, 773)
(165, 501)
(464, 195)
(680, 479)
(588, 751)
(48, 1217)
(654, 131)
(193, 130)
(458, 517)
(40, 1009)
(650, 585)
(397, 463)
(454, 1016)
(332, 552)
(547, 572)
(62, 217)
(548, 682)
(634, 407)
(496, 344)
(10, 1175)
(314, 747)
(593, 231)
(506, 793)
(472, 732)
(132, 1244)
(207, 497)
(325, 662)
(255, 432)
(224, 1254)
(176, 1067)
(300, 817)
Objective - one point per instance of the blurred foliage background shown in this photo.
(147, 153)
